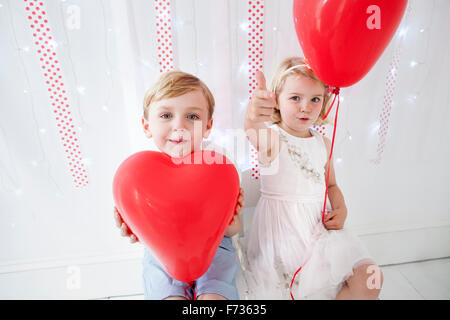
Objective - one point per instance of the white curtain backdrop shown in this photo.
(51, 231)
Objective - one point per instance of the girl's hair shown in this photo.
(297, 66)
(173, 84)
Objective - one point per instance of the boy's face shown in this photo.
(178, 125)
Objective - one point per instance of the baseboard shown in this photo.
(408, 245)
(89, 277)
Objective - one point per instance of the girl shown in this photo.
(287, 230)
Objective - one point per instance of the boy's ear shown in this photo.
(208, 128)
(146, 128)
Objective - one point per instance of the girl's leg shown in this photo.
(364, 284)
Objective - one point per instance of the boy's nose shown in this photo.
(179, 124)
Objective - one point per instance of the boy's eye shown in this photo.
(295, 98)
(315, 99)
(193, 117)
(165, 116)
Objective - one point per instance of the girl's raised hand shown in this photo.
(335, 219)
(124, 230)
(262, 104)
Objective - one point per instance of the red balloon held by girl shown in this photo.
(343, 39)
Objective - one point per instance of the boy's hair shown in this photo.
(297, 66)
(173, 84)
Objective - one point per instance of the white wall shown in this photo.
(57, 241)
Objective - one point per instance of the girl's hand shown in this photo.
(124, 230)
(335, 219)
(262, 104)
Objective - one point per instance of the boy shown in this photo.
(178, 112)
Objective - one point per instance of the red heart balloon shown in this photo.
(179, 209)
(343, 39)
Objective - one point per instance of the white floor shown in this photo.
(410, 281)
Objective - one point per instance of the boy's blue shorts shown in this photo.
(218, 279)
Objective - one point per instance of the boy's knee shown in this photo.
(175, 298)
(211, 296)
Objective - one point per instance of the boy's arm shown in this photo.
(234, 228)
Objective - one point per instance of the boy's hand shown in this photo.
(335, 219)
(124, 230)
(235, 223)
(239, 205)
(262, 104)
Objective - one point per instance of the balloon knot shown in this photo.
(332, 90)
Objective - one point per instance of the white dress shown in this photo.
(287, 230)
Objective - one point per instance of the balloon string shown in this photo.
(189, 285)
(336, 92)
(193, 290)
(328, 180)
(329, 161)
(292, 282)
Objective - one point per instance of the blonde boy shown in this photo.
(177, 115)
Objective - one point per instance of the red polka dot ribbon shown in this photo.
(255, 59)
(320, 129)
(51, 70)
(164, 35)
(385, 114)
(390, 86)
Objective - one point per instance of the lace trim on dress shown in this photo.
(301, 159)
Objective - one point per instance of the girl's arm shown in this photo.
(335, 219)
(259, 110)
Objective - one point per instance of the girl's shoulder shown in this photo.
(325, 142)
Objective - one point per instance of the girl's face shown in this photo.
(300, 102)
(178, 125)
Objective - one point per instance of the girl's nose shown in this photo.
(303, 106)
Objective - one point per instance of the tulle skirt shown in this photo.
(285, 235)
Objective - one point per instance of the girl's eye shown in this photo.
(315, 99)
(165, 116)
(193, 117)
(295, 98)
